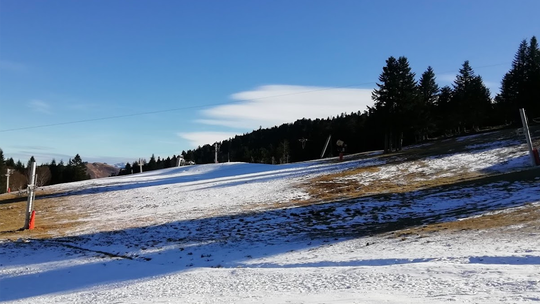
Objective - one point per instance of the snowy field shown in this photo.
(243, 233)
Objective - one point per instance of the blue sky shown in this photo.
(203, 71)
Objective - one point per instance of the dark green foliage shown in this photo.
(396, 101)
(10, 163)
(48, 174)
(404, 112)
(443, 112)
(126, 170)
(424, 120)
(520, 87)
(471, 100)
(75, 170)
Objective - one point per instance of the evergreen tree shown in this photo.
(472, 99)
(532, 84)
(56, 172)
(513, 94)
(19, 166)
(445, 113)
(10, 163)
(395, 99)
(151, 165)
(428, 90)
(77, 170)
(128, 168)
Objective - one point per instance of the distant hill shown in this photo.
(99, 170)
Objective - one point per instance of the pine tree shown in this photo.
(472, 99)
(532, 84)
(428, 90)
(445, 113)
(77, 169)
(395, 99)
(152, 164)
(512, 97)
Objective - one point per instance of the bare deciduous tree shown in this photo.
(43, 176)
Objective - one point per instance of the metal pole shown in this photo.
(29, 205)
(8, 173)
(326, 146)
(527, 134)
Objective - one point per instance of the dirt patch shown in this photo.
(52, 219)
(59, 215)
(349, 184)
(524, 219)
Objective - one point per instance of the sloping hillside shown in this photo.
(454, 220)
(99, 170)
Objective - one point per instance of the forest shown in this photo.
(406, 110)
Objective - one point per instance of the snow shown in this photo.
(231, 233)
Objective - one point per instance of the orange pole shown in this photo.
(32, 220)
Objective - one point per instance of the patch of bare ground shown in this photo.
(348, 184)
(52, 219)
(526, 219)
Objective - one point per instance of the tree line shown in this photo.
(152, 164)
(46, 174)
(405, 111)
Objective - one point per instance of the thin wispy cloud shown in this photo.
(40, 106)
(12, 66)
(273, 105)
(202, 138)
(38, 148)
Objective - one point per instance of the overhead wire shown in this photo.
(203, 106)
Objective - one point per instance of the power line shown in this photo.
(206, 105)
(172, 109)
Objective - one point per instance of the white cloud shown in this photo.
(273, 105)
(203, 138)
(40, 106)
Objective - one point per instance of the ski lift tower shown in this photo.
(8, 173)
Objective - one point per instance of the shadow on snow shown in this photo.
(237, 240)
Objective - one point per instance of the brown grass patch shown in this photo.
(348, 185)
(52, 219)
(526, 219)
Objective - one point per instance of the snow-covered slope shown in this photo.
(243, 233)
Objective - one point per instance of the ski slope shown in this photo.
(239, 233)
